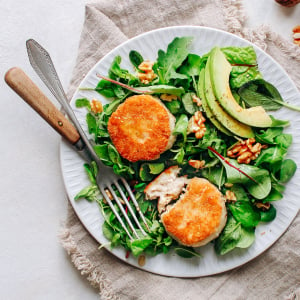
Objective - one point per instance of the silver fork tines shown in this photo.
(104, 187)
(44, 67)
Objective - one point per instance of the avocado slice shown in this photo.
(209, 113)
(230, 123)
(220, 70)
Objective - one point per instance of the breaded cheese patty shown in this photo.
(198, 216)
(141, 128)
(166, 187)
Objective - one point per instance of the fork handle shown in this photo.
(31, 94)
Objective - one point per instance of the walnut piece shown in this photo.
(197, 100)
(230, 196)
(168, 97)
(148, 74)
(296, 35)
(245, 151)
(110, 196)
(96, 106)
(197, 164)
(196, 125)
(264, 206)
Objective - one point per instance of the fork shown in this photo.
(108, 182)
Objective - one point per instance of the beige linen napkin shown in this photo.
(274, 274)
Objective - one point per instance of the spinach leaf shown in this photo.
(180, 153)
(107, 230)
(271, 156)
(268, 136)
(245, 213)
(192, 65)
(247, 237)
(240, 55)
(279, 123)
(114, 155)
(260, 92)
(268, 215)
(258, 189)
(284, 140)
(147, 170)
(173, 106)
(240, 193)
(287, 170)
(262, 187)
(169, 61)
(135, 58)
(181, 126)
(111, 107)
(89, 193)
(229, 237)
(216, 175)
(92, 171)
(244, 65)
(83, 102)
(105, 88)
(275, 194)
(92, 123)
(233, 236)
(161, 89)
(102, 153)
(138, 246)
(186, 252)
(188, 103)
(240, 75)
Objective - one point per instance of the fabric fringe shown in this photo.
(92, 273)
(234, 16)
(264, 33)
(294, 296)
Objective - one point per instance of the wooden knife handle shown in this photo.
(31, 94)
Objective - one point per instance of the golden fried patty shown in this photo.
(198, 216)
(141, 128)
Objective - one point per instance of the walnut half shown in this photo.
(230, 196)
(245, 151)
(148, 74)
(296, 35)
(196, 125)
(197, 164)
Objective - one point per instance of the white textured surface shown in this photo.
(33, 264)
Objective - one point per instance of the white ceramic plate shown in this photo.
(172, 265)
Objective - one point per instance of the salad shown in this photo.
(242, 154)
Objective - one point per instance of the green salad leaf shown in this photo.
(192, 65)
(244, 65)
(260, 92)
(268, 215)
(245, 213)
(135, 58)
(254, 185)
(257, 181)
(234, 235)
(169, 61)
